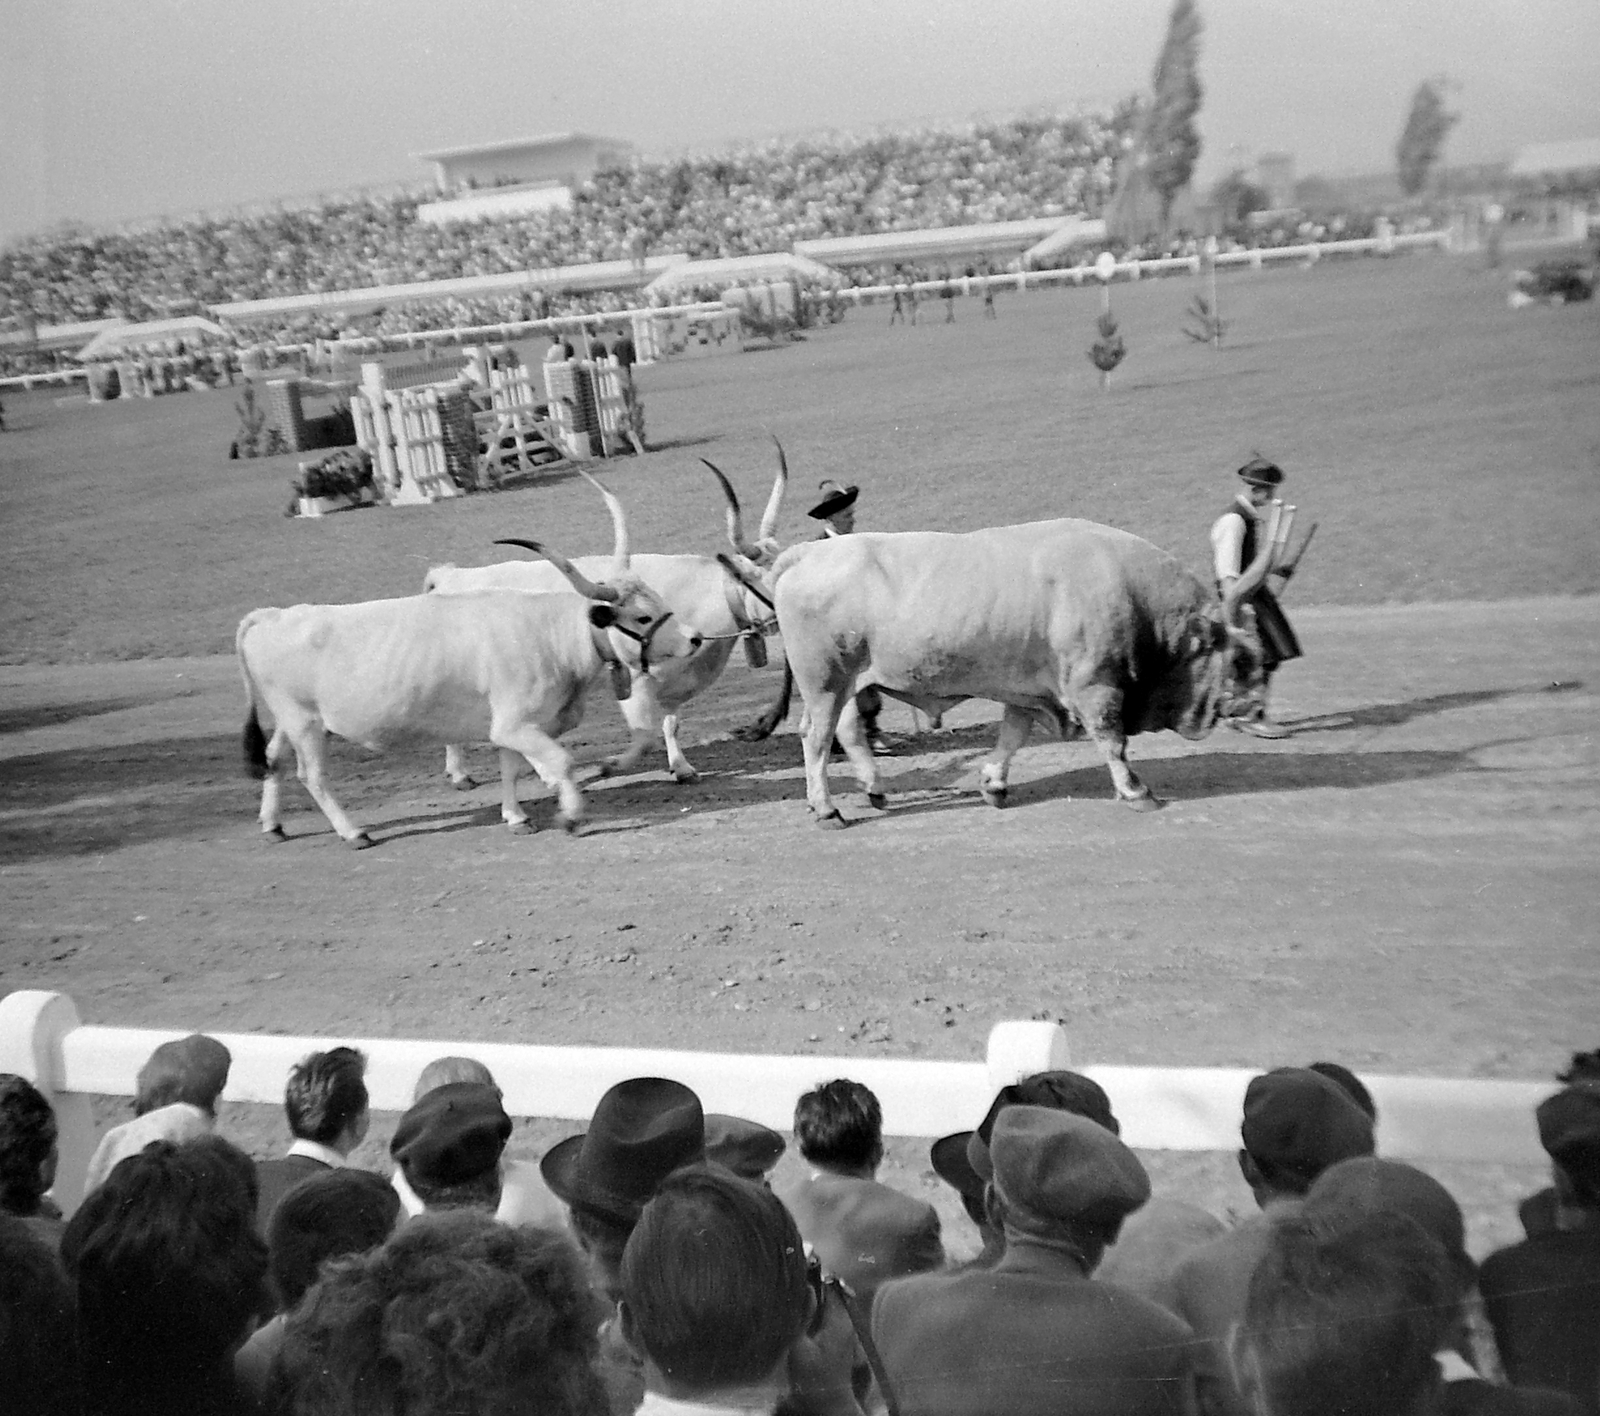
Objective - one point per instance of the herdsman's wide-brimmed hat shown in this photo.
(1258, 472)
(839, 499)
(642, 1130)
(963, 1160)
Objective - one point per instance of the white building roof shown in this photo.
(1575, 155)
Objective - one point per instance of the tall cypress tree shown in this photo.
(1171, 143)
(1422, 139)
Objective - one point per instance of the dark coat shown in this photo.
(1030, 1336)
(1542, 1297)
(861, 1230)
(277, 1177)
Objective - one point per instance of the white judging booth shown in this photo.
(1162, 1108)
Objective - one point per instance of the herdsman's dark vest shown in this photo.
(1247, 550)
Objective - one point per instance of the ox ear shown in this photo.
(602, 616)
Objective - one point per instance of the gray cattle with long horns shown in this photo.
(499, 666)
(714, 596)
(1081, 626)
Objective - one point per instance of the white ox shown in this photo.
(700, 590)
(1080, 625)
(501, 666)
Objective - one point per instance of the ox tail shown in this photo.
(255, 741)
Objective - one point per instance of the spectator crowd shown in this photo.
(662, 1262)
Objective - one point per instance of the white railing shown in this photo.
(55, 376)
(1161, 1108)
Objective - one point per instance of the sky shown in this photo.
(113, 110)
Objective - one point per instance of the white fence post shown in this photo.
(1021, 1049)
(32, 1026)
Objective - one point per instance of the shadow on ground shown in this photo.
(89, 801)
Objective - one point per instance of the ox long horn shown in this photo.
(1250, 578)
(780, 484)
(619, 552)
(735, 514)
(580, 582)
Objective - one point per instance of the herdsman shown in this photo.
(1234, 546)
(837, 513)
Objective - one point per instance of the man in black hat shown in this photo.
(448, 1147)
(1234, 546)
(1037, 1333)
(1297, 1123)
(1543, 1295)
(837, 513)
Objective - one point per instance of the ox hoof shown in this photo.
(572, 825)
(361, 842)
(686, 778)
(995, 796)
(832, 821)
(1148, 802)
(464, 784)
(520, 828)
(275, 834)
(877, 801)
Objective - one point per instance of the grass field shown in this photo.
(1449, 447)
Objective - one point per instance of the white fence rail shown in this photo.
(1161, 1108)
(55, 376)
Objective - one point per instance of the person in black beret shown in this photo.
(1296, 1124)
(1038, 1332)
(448, 1147)
(746, 1148)
(1234, 547)
(1543, 1295)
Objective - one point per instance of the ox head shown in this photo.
(764, 549)
(1227, 668)
(635, 620)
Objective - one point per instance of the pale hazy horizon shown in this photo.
(113, 112)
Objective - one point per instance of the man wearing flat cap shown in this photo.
(1543, 1295)
(1297, 1123)
(1037, 1333)
(448, 1147)
(1234, 545)
(1152, 1241)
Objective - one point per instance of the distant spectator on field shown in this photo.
(559, 351)
(717, 1302)
(175, 1099)
(325, 1103)
(864, 1232)
(623, 350)
(38, 1327)
(1543, 1295)
(1037, 1333)
(325, 1216)
(28, 1154)
(524, 1196)
(1296, 1124)
(455, 1314)
(448, 1147)
(169, 1272)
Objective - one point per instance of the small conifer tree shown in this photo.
(1109, 350)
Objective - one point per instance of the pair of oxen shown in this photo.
(1080, 627)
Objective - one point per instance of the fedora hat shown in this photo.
(642, 1130)
(839, 499)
